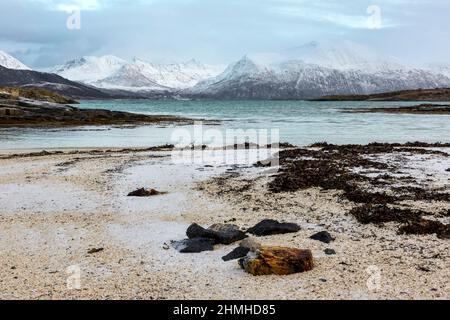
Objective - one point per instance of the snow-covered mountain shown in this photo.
(343, 56)
(303, 72)
(90, 69)
(442, 67)
(111, 72)
(177, 75)
(315, 70)
(129, 78)
(10, 62)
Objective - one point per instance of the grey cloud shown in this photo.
(217, 31)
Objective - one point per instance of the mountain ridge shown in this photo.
(10, 62)
(299, 79)
(100, 71)
(305, 72)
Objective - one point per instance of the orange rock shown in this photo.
(277, 260)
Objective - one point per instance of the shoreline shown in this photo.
(34, 108)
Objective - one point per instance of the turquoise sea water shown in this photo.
(298, 122)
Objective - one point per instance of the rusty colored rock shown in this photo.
(278, 261)
(145, 193)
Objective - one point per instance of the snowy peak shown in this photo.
(307, 71)
(129, 77)
(90, 69)
(245, 66)
(10, 62)
(439, 67)
(177, 75)
(314, 70)
(110, 71)
(345, 55)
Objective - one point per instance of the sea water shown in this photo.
(297, 122)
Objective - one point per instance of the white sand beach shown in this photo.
(55, 208)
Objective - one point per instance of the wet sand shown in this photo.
(57, 207)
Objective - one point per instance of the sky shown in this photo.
(44, 33)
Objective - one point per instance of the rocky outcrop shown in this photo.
(35, 94)
(277, 261)
(271, 227)
(19, 111)
(220, 233)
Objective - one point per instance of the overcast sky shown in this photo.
(219, 31)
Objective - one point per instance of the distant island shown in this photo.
(441, 94)
(431, 109)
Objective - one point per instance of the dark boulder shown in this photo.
(239, 252)
(194, 245)
(322, 236)
(330, 252)
(271, 227)
(220, 233)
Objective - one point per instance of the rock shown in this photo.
(228, 233)
(194, 245)
(196, 231)
(166, 246)
(250, 244)
(239, 252)
(322, 236)
(145, 193)
(271, 227)
(329, 252)
(220, 233)
(95, 250)
(278, 261)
